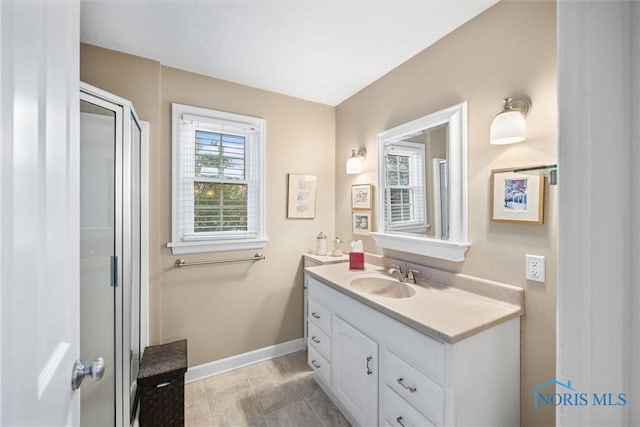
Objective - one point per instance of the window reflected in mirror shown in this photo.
(416, 190)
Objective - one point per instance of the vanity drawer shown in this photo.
(321, 366)
(320, 340)
(422, 392)
(398, 413)
(319, 316)
(422, 352)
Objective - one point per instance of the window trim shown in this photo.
(219, 243)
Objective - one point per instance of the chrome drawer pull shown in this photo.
(411, 389)
(313, 362)
(369, 371)
(315, 340)
(399, 421)
(314, 314)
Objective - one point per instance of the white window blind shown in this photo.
(218, 200)
(405, 187)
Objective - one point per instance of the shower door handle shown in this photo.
(113, 271)
(79, 372)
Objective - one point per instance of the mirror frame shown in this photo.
(455, 248)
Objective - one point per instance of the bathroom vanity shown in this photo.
(312, 260)
(443, 352)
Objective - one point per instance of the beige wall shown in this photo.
(230, 309)
(508, 50)
(227, 309)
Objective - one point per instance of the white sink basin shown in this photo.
(383, 287)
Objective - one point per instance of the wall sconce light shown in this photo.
(509, 126)
(354, 163)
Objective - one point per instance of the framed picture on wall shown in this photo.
(517, 197)
(361, 196)
(361, 223)
(301, 200)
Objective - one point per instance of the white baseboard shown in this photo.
(196, 373)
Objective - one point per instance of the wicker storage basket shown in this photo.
(161, 384)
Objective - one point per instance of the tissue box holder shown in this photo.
(356, 260)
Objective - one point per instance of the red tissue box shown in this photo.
(356, 260)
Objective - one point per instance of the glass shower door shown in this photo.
(135, 197)
(100, 148)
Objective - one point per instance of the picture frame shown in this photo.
(362, 196)
(301, 197)
(361, 222)
(517, 197)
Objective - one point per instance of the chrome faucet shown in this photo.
(409, 276)
(397, 270)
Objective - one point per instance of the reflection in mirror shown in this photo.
(416, 193)
(422, 186)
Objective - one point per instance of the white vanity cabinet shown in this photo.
(311, 260)
(319, 347)
(382, 372)
(354, 376)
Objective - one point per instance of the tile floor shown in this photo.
(276, 393)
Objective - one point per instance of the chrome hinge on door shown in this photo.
(114, 271)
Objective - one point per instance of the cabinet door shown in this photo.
(355, 372)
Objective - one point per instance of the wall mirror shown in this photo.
(422, 191)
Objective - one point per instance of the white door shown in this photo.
(39, 211)
(354, 361)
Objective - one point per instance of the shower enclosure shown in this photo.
(111, 254)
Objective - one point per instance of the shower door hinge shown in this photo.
(114, 271)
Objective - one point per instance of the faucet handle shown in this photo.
(411, 276)
(397, 267)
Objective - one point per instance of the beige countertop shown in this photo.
(445, 312)
(327, 259)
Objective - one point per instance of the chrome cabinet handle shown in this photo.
(411, 389)
(314, 314)
(313, 362)
(95, 371)
(315, 340)
(369, 371)
(399, 421)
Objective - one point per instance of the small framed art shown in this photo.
(517, 197)
(361, 196)
(302, 197)
(361, 223)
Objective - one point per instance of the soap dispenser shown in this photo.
(337, 247)
(321, 244)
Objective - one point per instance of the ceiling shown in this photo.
(319, 50)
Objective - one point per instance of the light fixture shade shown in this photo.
(354, 165)
(508, 127)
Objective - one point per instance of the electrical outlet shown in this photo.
(535, 268)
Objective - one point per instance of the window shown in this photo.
(218, 181)
(405, 192)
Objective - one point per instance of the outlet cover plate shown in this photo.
(535, 268)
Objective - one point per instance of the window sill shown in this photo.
(179, 248)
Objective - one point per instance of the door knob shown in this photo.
(79, 372)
